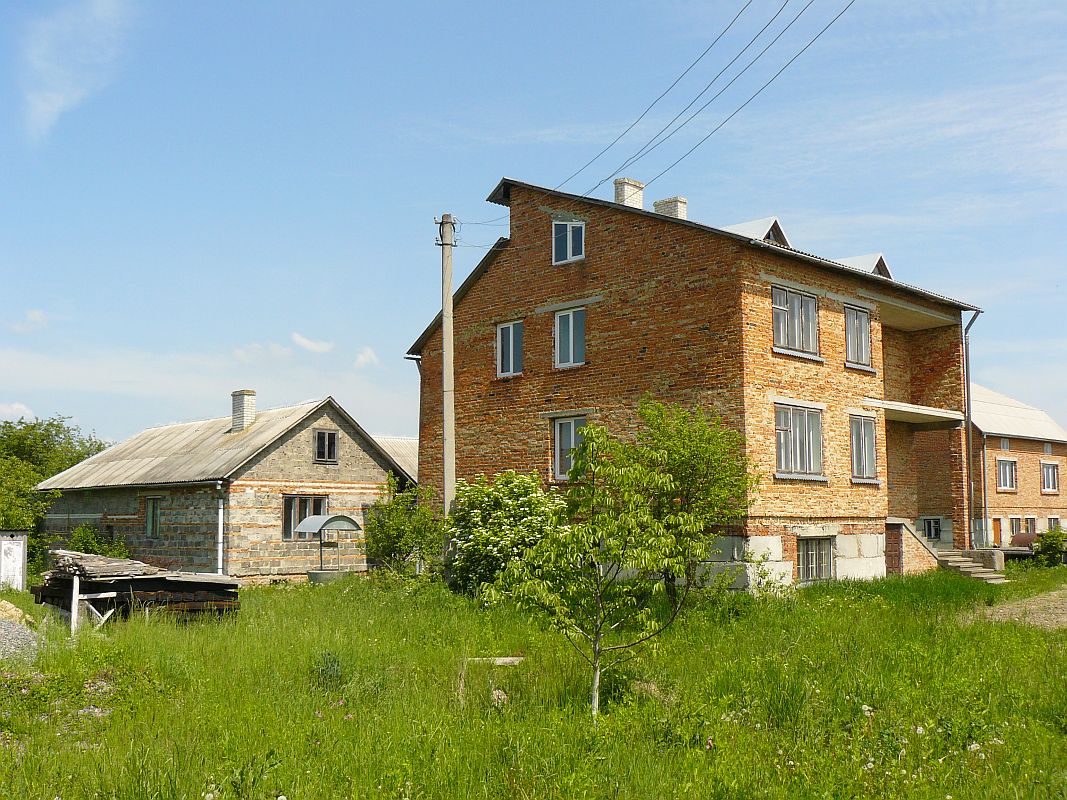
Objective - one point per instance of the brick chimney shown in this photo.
(629, 192)
(244, 409)
(672, 207)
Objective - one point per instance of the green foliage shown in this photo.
(48, 446)
(403, 531)
(326, 671)
(492, 523)
(20, 506)
(1049, 547)
(87, 539)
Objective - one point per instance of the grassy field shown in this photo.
(884, 689)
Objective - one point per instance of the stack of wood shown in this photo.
(97, 587)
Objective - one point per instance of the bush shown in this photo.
(494, 522)
(1049, 547)
(87, 539)
(403, 532)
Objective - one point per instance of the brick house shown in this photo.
(227, 494)
(1019, 455)
(847, 385)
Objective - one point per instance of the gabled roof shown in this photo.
(872, 262)
(194, 452)
(501, 195)
(404, 451)
(996, 414)
(769, 229)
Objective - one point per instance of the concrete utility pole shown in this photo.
(448, 379)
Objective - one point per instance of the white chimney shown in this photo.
(629, 192)
(672, 207)
(244, 409)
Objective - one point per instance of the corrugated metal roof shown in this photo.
(759, 229)
(872, 262)
(188, 452)
(404, 450)
(996, 414)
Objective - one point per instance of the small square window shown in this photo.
(932, 528)
(1005, 444)
(857, 336)
(570, 337)
(568, 436)
(1048, 448)
(509, 349)
(326, 447)
(796, 320)
(1007, 475)
(568, 241)
(814, 559)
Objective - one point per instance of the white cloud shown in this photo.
(16, 411)
(312, 345)
(366, 357)
(69, 55)
(257, 351)
(33, 319)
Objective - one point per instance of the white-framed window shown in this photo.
(932, 528)
(798, 440)
(1016, 524)
(1007, 475)
(796, 320)
(297, 508)
(151, 517)
(568, 241)
(857, 336)
(864, 463)
(1050, 476)
(568, 432)
(1048, 448)
(509, 348)
(1053, 523)
(1005, 444)
(326, 447)
(570, 337)
(814, 559)
(1031, 526)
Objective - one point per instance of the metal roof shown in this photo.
(192, 452)
(317, 523)
(872, 262)
(996, 414)
(765, 228)
(404, 451)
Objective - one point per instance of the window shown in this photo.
(151, 517)
(326, 446)
(1050, 477)
(296, 509)
(568, 241)
(1016, 526)
(1031, 526)
(509, 348)
(814, 557)
(798, 439)
(1006, 475)
(932, 528)
(570, 337)
(1048, 448)
(863, 459)
(1053, 523)
(568, 436)
(796, 321)
(857, 336)
(1005, 444)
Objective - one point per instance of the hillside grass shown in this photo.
(880, 689)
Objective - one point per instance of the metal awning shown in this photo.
(327, 522)
(927, 416)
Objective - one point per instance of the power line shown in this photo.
(650, 106)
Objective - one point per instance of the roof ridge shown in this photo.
(224, 416)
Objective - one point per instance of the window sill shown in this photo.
(570, 366)
(861, 368)
(1052, 492)
(509, 376)
(866, 481)
(325, 461)
(568, 261)
(1007, 491)
(800, 476)
(785, 351)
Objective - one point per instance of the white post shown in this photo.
(75, 601)
(219, 537)
(448, 384)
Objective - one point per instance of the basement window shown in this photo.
(1050, 477)
(932, 528)
(796, 320)
(151, 517)
(1053, 523)
(509, 349)
(326, 447)
(568, 436)
(1007, 475)
(568, 241)
(295, 509)
(1016, 527)
(1031, 526)
(814, 560)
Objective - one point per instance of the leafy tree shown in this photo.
(49, 446)
(20, 506)
(494, 522)
(402, 530)
(1049, 548)
(87, 539)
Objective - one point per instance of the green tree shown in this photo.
(1049, 548)
(20, 506)
(49, 446)
(403, 532)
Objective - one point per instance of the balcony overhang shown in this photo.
(923, 417)
(905, 316)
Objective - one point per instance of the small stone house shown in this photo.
(227, 494)
(848, 385)
(1019, 456)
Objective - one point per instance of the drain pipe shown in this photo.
(970, 456)
(985, 496)
(218, 539)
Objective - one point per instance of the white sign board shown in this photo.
(13, 561)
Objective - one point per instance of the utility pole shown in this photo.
(447, 230)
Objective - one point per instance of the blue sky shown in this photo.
(197, 197)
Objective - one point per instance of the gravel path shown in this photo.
(1047, 610)
(16, 639)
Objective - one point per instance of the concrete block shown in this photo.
(769, 547)
(988, 558)
(859, 568)
(847, 547)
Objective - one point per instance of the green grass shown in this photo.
(349, 690)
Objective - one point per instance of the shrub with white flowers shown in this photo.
(495, 521)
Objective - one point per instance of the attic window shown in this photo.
(776, 235)
(326, 447)
(568, 241)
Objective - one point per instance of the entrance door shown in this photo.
(996, 533)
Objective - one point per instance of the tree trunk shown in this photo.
(596, 683)
(670, 583)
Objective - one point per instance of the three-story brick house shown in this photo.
(847, 385)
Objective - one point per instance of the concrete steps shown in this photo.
(957, 562)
